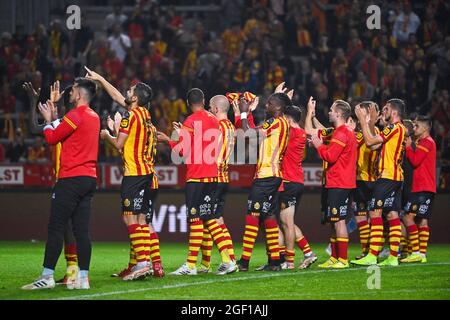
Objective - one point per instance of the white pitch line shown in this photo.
(272, 275)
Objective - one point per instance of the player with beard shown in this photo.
(137, 138)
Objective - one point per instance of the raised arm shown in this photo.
(369, 138)
(109, 88)
(33, 97)
(310, 113)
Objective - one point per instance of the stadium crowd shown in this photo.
(320, 48)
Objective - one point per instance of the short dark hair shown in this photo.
(425, 119)
(144, 94)
(195, 96)
(88, 85)
(366, 105)
(294, 112)
(344, 107)
(398, 105)
(283, 100)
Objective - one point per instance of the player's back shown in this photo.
(291, 166)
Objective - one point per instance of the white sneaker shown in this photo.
(308, 261)
(71, 276)
(46, 282)
(226, 268)
(137, 272)
(328, 249)
(287, 266)
(82, 283)
(386, 252)
(184, 270)
(204, 269)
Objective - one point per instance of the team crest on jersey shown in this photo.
(414, 207)
(257, 206)
(124, 123)
(379, 203)
(388, 129)
(268, 123)
(126, 203)
(359, 135)
(362, 205)
(334, 211)
(193, 211)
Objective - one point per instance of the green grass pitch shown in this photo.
(21, 263)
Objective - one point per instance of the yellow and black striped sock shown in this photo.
(424, 237)
(364, 235)
(227, 236)
(146, 236)
(303, 245)
(70, 253)
(290, 256)
(138, 242)
(376, 235)
(403, 245)
(155, 254)
(195, 241)
(217, 234)
(272, 230)
(250, 235)
(207, 243)
(414, 238)
(132, 262)
(395, 233)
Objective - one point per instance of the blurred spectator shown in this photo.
(16, 150)
(7, 108)
(38, 153)
(406, 22)
(361, 89)
(119, 42)
(115, 18)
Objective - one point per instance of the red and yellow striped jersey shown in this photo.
(272, 147)
(227, 131)
(391, 155)
(366, 169)
(155, 184)
(140, 146)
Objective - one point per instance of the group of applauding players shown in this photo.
(363, 154)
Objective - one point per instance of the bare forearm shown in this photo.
(317, 124)
(308, 124)
(113, 92)
(369, 138)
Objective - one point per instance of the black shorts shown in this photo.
(151, 206)
(221, 193)
(339, 204)
(387, 195)
(136, 193)
(323, 205)
(291, 194)
(200, 200)
(264, 197)
(362, 196)
(420, 204)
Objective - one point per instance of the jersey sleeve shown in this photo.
(325, 134)
(389, 132)
(127, 123)
(68, 125)
(417, 156)
(331, 152)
